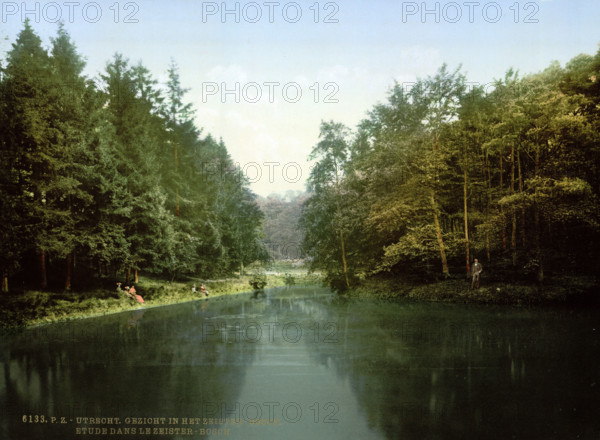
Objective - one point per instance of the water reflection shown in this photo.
(301, 362)
(445, 371)
(259, 294)
(134, 318)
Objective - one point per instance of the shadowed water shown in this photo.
(302, 363)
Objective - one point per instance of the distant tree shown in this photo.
(325, 206)
(283, 236)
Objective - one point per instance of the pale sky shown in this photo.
(264, 74)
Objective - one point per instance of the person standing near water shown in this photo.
(475, 271)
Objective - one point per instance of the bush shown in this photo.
(289, 280)
(258, 281)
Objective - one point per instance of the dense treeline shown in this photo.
(442, 173)
(106, 176)
(283, 237)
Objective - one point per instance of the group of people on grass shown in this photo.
(203, 289)
(130, 292)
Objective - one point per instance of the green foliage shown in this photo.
(329, 232)
(258, 281)
(108, 177)
(283, 236)
(289, 279)
(518, 169)
(38, 307)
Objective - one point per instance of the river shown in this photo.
(302, 363)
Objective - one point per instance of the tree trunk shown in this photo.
(135, 275)
(176, 187)
(502, 209)
(465, 196)
(43, 277)
(538, 248)
(513, 240)
(4, 282)
(345, 265)
(489, 206)
(523, 233)
(68, 277)
(127, 275)
(339, 212)
(438, 231)
(536, 215)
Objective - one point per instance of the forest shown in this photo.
(444, 172)
(111, 175)
(283, 237)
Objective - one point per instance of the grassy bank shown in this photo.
(36, 307)
(559, 290)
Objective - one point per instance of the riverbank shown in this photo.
(560, 290)
(32, 308)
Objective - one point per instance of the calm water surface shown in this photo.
(301, 363)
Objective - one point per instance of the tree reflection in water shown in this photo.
(414, 370)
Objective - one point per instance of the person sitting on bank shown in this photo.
(476, 270)
(133, 294)
(126, 290)
(203, 290)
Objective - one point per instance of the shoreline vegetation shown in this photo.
(32, 308)
(563, 290)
